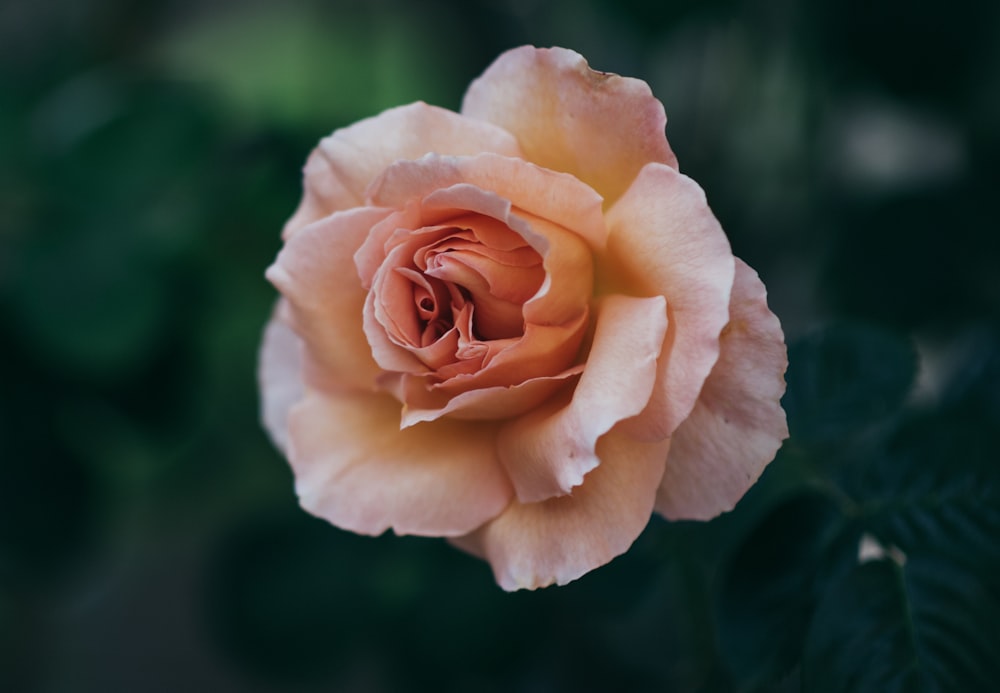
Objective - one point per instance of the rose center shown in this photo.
(493, 270)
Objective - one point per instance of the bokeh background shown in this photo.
(149, 535)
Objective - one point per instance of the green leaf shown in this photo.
(925, 621)
(928, 625)
(935, 488)
(772, 584)
(845, 378)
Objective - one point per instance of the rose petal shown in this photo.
(356, 469)
(543, 351)
(315, 272)
(547, 451)
(664, 240)
(344, 164)
(279, 375)
(385, 352)
(557, 197)
(499, 402)
(568, 262)
(558, 540)
(738, 424)
(566, 258)
(600, 127)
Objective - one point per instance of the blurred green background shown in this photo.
(149, 535)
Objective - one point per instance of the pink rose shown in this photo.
(518, 327)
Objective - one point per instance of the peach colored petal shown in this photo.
(600, 127)
(485, 384)
(544, 350)
(567, 260)
(499, 402)
(392, 321)
(533, 545)
(565, 256)
(497, 281)
(548, 451)
(738, 424)
(344, 164)
(557, 197)
(664, 240)
(356, 469)
(279, 375)
(385, 351)
(569, 280)
(315, 272)
(372, 252)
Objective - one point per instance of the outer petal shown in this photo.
(664, 240)
(356, 469)
(556, 541)
(738, 424)
(316, 273)
(598, 126)
(344, 164)
(279, 375)
(547, 451)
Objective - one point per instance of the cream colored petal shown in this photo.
(315, 272)
(738, 424)
(557, 197)
(665, 241)
(533, 545)
(356, 469)
(279, 375)
(344, 164)
(548, 451)
(600, 127)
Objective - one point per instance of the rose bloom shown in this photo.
(518, 327)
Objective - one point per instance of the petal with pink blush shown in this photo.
(569, 267)
(664, 240)
(548, 451)
(315, 272)
(542, 351)
(355, 468)
(738, 424)
(533, 545)
(567, 259)
(600, 127)
(279, 375)
(344, 164)
(385, 349)
(371, 253)
(482, 404)
(558, 197)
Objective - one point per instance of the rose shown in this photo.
(518, 327)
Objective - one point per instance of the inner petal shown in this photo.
(494, 265)
(431, 297)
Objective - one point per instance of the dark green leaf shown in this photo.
(929, 625)
(935, 488)
(773, 582)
